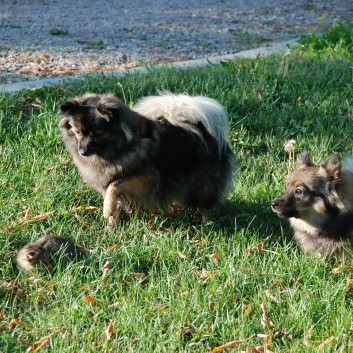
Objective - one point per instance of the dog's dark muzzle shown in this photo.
(84, 152)
(86, 148)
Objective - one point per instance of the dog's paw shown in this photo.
(112, 214)
(206, 213)
(107, 210)
(110, 201)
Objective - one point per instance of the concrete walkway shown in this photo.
(252, 53)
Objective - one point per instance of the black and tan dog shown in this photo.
(319, 204)
(168, 150)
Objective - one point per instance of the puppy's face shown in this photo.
(37, 257)
(310, 190)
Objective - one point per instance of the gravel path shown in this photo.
(51, 38)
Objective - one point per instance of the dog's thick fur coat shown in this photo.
(319, 204)
(167, 150)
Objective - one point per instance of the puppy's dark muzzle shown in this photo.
(275, 205)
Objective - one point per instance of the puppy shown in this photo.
(167, 150)
(319, 204)
(45, 252)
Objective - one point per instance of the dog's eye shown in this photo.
(298, 191)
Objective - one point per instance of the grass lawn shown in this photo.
(165, 282)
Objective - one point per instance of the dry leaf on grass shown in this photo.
(227, 345)
(86, 208)
(257, 349)
(214, 258)
(82, 220)
(105, 272)
(325, 343)
(305, 343)
(139, 275)
(112, 247)
(265, 321)
(341, 268)
(110, 330)
(24, 218)
(257, 249)
(91, 299)
(267, 337)
(43, 342)
(182, 256)
(14, 323)
(272, 297)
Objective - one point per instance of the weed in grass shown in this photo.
(58, 32)
(337, 39)
(290, 148)
(95, 45)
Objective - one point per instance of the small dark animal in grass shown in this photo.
(45, 253)
(319, 204)
(168, 150)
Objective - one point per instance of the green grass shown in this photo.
(95, 45)
(202, 284)
(59, 32)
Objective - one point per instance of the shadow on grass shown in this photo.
(228, 218)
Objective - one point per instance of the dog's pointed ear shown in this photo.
(333, 166)
(304, 160)
(111, 107)
(70, 105)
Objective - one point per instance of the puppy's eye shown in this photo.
(298, 191)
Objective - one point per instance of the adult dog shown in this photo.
(168, 150)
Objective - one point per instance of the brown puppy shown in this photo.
(44, 252)
(169, 150)
(319, 204)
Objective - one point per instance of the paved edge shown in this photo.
(252, 53)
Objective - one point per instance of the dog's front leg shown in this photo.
(136, 189)
(113, 204)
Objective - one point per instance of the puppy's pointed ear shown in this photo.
(304, 160)
(333, 166)
(30, 255)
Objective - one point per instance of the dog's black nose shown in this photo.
(275, 204)
(84, 152)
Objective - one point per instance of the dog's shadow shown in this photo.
(228, 218)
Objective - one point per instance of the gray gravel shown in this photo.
(51, 38)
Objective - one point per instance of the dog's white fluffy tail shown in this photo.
(187, 111)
